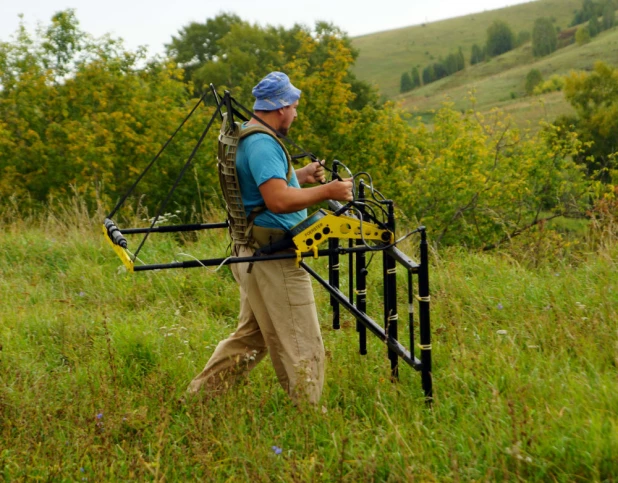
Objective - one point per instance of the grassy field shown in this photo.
(93, 362)
(384, 56)
(500, 82)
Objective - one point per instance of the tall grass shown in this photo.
(93, 362)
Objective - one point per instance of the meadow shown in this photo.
(94, 363)
(498, 82)
(384, 56)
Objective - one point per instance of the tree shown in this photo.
(594, 96)
(477, 55)
(197, 43)
(428, 75)
(533, 79)
(500, 38)
(406, 84)
(594, 27)
(416, 78)
(544, 37)
(232, 53)
(582, 36)
(522, 37)
(609, 15)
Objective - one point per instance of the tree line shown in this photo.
(85, 115)
(500, 39)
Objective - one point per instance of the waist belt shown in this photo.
(271, 240)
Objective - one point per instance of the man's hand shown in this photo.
(312, 173)
(341, 190)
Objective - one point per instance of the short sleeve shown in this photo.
(266, 159)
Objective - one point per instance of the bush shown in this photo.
(553, 84)
(533, 79)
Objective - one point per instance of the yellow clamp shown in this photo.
(121, 252)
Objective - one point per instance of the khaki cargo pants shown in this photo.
(278, 316)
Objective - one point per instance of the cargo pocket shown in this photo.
(297, 284)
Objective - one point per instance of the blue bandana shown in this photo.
(274, 92)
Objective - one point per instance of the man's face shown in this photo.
(289, 114)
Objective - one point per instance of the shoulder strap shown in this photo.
(258, 128)
(240, 226)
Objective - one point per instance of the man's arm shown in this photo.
(311, 173)
(281, 198)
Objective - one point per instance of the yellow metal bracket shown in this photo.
(121, 252)
(323, 224)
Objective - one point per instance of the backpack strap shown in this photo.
(241, 226)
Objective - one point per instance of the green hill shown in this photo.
(500, 82)
(384, 56)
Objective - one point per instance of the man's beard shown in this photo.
(283, 130)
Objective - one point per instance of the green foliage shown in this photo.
(554, 84)
(500, 38)
(198, 43)
(406, 83)
(477, 56)
(594, 27)
(416, 78)
(478, 181)
(533, 79)
(232, 53)
(582, 36)
(594, 97)
(544, 37)
(428, 75)
(522, 38)
(96, 130)
(588, 11)
(609, 15)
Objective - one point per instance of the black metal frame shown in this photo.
(356, 250)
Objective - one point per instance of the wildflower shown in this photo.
(82, 469)
(100, 416)
(501, 332)
(277, 450)
(82, 293)
(500, 306)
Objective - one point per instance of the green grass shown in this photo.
(500, 82)
(384, 56)
(93, 361)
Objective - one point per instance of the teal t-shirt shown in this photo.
(260, 158)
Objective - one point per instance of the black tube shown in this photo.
(392, 344)
(390, 296)
(361, 285)
(174, 228)
(333, 269)
(424, 323)
(411, 310)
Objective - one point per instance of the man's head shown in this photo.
(277, 98)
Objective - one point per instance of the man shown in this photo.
(277, 308)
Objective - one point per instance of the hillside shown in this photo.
(384, 56)
(500, 82)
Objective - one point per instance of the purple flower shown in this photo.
(100, 416)
(500, 306)
(82, 469)
(82, 294)
(276, 449)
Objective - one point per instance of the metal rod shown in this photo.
(424, 322)
(333, 269)
(175, 228)
(411, 310)
(392, 344)
(390, 296)
(361, 284)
